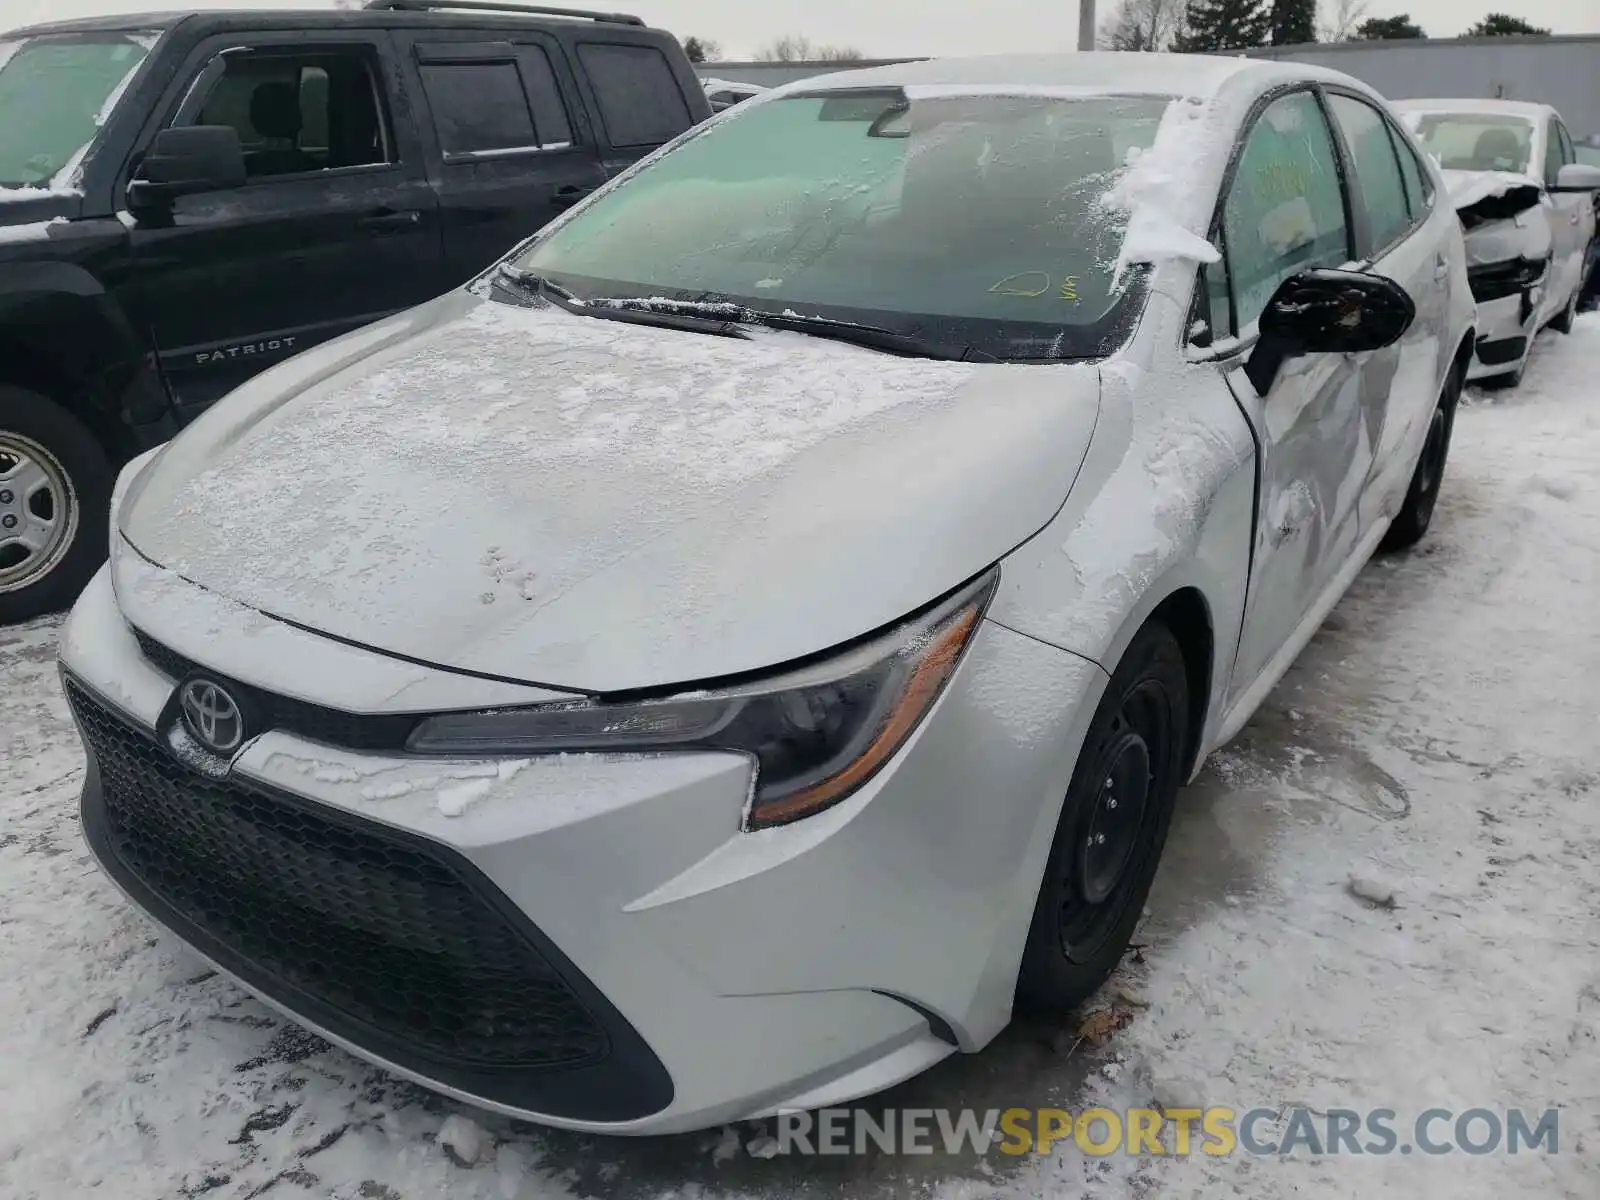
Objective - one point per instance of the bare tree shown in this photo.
(797, 47)
(1340, 19)
(1141, 25)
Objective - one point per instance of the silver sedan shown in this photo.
(727, 657)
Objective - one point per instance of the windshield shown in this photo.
(55, 93)
(1475, 141)
(974, 220)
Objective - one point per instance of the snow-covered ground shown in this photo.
(1440, 739)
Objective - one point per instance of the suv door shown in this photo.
(1399, 386)
(1284, 210)
(510, 148)
(335, 227)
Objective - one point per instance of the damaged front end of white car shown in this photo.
(1508, 266)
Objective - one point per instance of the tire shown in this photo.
(1416, 513)
(1563, 323)
(55, 492)
(1131, 764)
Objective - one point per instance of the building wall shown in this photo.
(1563, 71)
(769, 74)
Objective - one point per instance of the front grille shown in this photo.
(381, 927)
(330, 726)
(1503, 350)
(1496, 281)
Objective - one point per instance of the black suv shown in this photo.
(188, 199)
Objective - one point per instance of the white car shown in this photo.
(1527, 206)
(730, 654)
(725, 93)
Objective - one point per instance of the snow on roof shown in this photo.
(1202, 75)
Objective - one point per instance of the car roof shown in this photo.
(1202, 75)
(1466, 104)
(319, 18)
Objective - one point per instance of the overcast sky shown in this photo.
(889, 28)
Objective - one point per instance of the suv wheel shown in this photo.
(55, 487)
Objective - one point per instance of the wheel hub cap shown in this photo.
(1113, 823)
(38, 512)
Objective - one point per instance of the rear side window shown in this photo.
(549, 111)
(1284, 210)
(1419, 189)
(1552, 155)
(1379, 189)
(639, 98)
(478, 108)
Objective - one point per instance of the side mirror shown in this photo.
(1327, 311)
(185, 161)
(1577, 177)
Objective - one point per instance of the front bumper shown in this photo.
(722, 975)
(1507, 316)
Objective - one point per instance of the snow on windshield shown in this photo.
(972, 213)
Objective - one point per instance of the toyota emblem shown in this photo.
(211, 716)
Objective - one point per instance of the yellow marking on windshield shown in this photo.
(1011, 285)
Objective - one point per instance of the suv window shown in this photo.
(1284, 211)
(300, 111)
(1379, 188)
(639, 98)
(479, 108)
(483, 107)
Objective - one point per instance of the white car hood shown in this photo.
(1467, 188)
(600, 507)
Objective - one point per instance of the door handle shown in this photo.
(566, 197)
(1441, 266)
(388, 220)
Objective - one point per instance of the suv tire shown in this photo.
(55, 490)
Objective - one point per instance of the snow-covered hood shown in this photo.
(1469, 188)
(599, 506)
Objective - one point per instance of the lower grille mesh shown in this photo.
(372, 923)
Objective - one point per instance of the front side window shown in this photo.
(1552, 155)
(1381, 191)
(972, 219)
(1284, 211)
(1475, 141)
(299, 112)
(55, 93)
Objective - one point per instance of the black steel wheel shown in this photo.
(1112, 828)
(1417, 512)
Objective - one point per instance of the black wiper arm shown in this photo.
(872, 336)
(534, 286)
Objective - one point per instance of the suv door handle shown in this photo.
(389, 220)
(566, 197)
(1441, 266)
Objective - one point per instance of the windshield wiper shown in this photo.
(873, 336)
(537, 287)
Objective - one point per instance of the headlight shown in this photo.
(816, 734)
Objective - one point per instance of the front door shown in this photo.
(335, 227)
(1399, 383)
(512, 148)
(1571, 222)
(1283, 213)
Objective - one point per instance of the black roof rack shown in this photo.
(501, 6)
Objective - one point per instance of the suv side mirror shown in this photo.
(185, 161)
(1327, 311)
(1577, 177)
